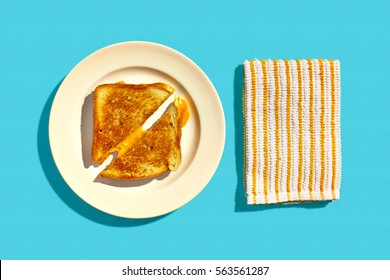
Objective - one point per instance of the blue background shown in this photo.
(41, 41)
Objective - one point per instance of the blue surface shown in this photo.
(41, 41)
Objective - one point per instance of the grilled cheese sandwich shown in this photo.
(120, 112)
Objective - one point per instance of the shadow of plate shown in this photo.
(60, 187)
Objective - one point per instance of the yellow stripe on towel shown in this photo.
(265, 130)
(300, 129)
(277, 129)
(254, 128)
(322, 79)
(288, 127)
(312, 136)
(333, 128)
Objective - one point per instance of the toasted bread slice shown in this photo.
(157, 151)
(119, 109)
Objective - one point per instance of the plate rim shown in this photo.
(93, 55)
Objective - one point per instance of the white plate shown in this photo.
(70, 129)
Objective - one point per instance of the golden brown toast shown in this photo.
(120, 109)
(156, 150)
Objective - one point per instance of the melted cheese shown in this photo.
(183, 112)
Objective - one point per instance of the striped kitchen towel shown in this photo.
(292, 130)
